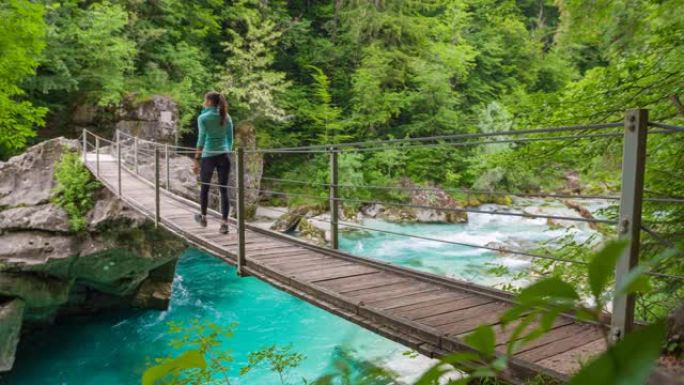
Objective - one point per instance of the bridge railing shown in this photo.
(131, 153)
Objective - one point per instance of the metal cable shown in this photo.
(469, 191)
(465, 144)
(455, 136)
(666, 126)
(662, 240)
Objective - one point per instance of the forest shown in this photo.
(308, 72)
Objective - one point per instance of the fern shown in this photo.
(74, 190)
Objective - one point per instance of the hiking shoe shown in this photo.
(201, 219)
(224, 228)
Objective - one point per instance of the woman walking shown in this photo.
(214, 143)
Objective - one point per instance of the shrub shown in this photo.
(74, 190)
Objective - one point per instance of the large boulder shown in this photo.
(121, 259)
(155, 118)
(448, 210)
(245, 137)
(11, 314)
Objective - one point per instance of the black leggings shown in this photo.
(222, 165)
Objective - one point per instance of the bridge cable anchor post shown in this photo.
(629, 224)
(168, 168)
(118, 161)
(97, 156)
(334, 201)
(157, 205)
(135, 155)
(85, 146)
(240, 209)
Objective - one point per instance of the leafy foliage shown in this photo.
(21, 43)
(74, 189)
(280, 360)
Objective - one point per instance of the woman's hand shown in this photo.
(196, 167)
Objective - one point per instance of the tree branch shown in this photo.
(675, 100)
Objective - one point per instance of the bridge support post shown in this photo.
(168, 168)
(157, 205)
(85, 146)
(97, 155)
(629, 225)
(240, 208)
(135, 154)
(118, 160)
(334, 202)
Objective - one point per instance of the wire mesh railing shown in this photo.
(132, 153)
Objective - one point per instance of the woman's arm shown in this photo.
(201, 137)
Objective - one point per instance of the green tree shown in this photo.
(249, 79)
(87, 57)
(22, 39)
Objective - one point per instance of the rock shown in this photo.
(11, 315)
(572, 183)
(153, 295)
(29, 247)
(289, 221)
(120, 260)
(675, 324)
(34, 290)
(47, 217)
(436, 197)
(245, 137)
(28, 179)
(582, 211)
(310, 232)
(372, 210)
(155, 118)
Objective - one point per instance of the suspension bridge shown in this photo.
(426, 312)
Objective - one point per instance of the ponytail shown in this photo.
(223, 109)
(218, 100)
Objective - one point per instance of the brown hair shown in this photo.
(218, 100)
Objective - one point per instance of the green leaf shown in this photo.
(482, 340)
(629, 362)
(549, 290)
(602, 266)
(188, 360)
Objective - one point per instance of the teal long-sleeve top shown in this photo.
(212, 137)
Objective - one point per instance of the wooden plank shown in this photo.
(459, 314)
(371, 296)
(503, 334)
(344, 284)
(490, 317)
(572, 360)
(347, 271)
(284, 249)
(551, 345)
(290, 267)
(290, 255)
(307, 258)
(457, 304)
(415, 297)
(447, 297)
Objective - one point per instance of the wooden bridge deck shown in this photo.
(423, 311)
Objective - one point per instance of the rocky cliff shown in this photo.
(47, 270)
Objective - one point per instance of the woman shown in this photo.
(214, 143)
